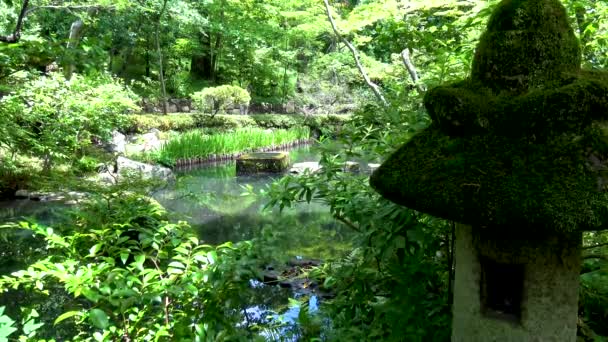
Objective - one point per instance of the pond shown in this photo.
(223, 207)
(217, 203)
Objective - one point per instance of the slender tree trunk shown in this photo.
(216, 57)
(407, 61)
(147, 55)
(161, 76)
(284, 88)
(16, 35)
(76, 30)
(111, 59)
(373, 86)
(217, 49)
(582, 22)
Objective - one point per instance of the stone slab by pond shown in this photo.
(262, 162)
(300, 168)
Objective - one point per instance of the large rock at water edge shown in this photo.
(117, 144)
(125, 165)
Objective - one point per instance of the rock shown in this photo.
(171, 108)
(270, 276)
(304, 262)
(22, 194)
(105, 177)
(117, 144)
(373, 167)
(290, 107)
(260, 162)
(300, 168)
(147, 171)
(151, 142)
(351, 166)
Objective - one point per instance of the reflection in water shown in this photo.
(216, 203)
(43, 212)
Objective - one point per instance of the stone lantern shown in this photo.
(517, 154)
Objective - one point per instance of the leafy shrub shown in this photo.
(224, 122)
(133, 275)
(52, 118)
(137, 123)
(86, 164)
(215, 99)
(278, 121)
(185, 122)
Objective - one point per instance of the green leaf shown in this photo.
(99, 319)
(177, 264)
(212, 256)
(30, 327)
(93, 250)
(91, 295)
(171, 270)
(124, 257)
(98, 336)
(6, 326)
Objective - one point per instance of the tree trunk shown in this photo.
(76, 30)
(147, 55)
(407, 61)
(373, 86)
(16, 35)
(161, 76)
(201, 64)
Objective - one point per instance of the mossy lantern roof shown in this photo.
(522, 144)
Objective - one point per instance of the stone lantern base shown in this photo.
(510, 289)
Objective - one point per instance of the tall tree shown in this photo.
(373, 86)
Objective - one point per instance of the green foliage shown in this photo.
(6, 325)
(197, 144)
(144, 123)
(133, 274)
(215, 99)
(52, 118)
(184, 122)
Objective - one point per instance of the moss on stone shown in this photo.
(495, 181)
(527, 44)
(529, 153)
(262, 162)
(468, 108)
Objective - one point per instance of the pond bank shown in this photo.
(179, 163)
